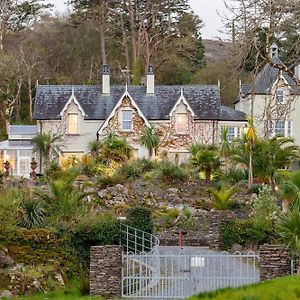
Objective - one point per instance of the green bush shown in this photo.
(106, 181)
(255, 189)
(169, 172)
(9, 209)
(234, 175)
(140, 217)
(264, 208)
(136, 169)
(247, 233)
(93, 230)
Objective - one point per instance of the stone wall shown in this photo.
(217, 218)
(275, 261)
(106, 271)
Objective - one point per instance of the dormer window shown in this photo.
(279, 96)
(126, 120)
(72, 123)
(181, 122)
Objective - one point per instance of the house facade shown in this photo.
(180, 114)
(18, 149)
(273, 99)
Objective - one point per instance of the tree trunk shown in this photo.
(125, 43)
(285, 205)
(250, 175)
(207, 175)
(102, 44)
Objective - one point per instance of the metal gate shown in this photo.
(177, 274)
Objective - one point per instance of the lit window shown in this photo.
(181, 123)
(73, 123)
(126, 120)
(279, 96)
(279, 128)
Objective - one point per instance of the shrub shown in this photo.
(264, 208)
(92, 230)
(247, 233)
(140, 217)
(234, 175)
(221, 197)
(32, 213)
(255, 189)
(136, 169)
(106, 181)
(170, 216)
(168, 172)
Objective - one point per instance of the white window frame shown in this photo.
(126, 120)
(236, 132)
(76, 132)
(287, 128)
(184, 128)
(279, 96)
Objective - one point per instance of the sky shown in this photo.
(207, 10)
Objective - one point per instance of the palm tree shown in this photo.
(289, 230)
(289, 192)
(47, 146)
(94, 148)
(206, 159)
(116, 149)
(251, 138)
(271, 155)
(150, 140)
(225, 145)
(221, 197)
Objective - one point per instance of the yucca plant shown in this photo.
(32, 213)
(150, 140)
(221, 197)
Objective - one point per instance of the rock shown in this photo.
(6, 294)
(237, 247)
(102, 193)
(5, 260)
(173, 191)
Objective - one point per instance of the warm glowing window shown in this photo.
(73, 124)
(127, 120)
(181, 123)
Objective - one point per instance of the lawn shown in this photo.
(66, 294)
(287, 288)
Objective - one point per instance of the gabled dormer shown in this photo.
(73, 115)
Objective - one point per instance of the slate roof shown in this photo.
(230, 114)
(204, 101)
(266, 78)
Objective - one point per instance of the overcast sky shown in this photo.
(206, 9)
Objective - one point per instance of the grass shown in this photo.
(286, 288)
(65, 294)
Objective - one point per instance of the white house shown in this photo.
(273, 99)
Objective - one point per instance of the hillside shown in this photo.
(215, 50)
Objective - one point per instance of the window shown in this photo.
(289, 128)
(230, 134)
(181, 123)
(279, 128)
(73, 124)
(279, 96)
(126, 120)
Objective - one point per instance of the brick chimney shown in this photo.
(105, 80)
(150, 80)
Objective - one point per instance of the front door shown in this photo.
(24, 167)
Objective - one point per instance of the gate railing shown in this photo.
(181, 275)
(137, 245)
(136, 241)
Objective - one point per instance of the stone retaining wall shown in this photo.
(275, 261)
(106, 271)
